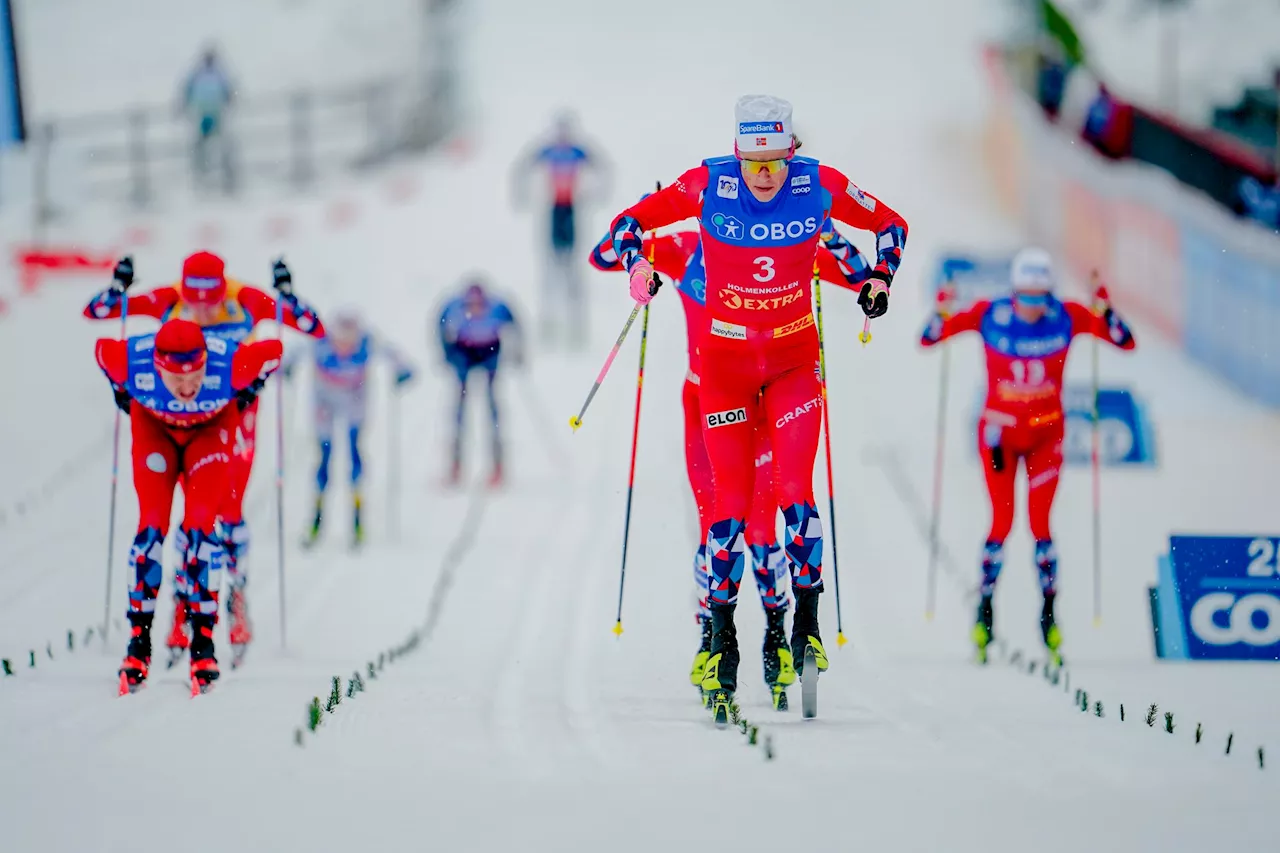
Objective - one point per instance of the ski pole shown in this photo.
(826, 427)
(393, 464)
(115, 478)
(935, 521)
(635, 441)
(576, 421)
(280, 471)
(1096, 464)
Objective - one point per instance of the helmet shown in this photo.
(1031, 271)
(204, 279)
(180, 347)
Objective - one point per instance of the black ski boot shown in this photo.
(204, 666)
(779, 666)
(1049, 630)
(137, 658)
(720, 679)
(804, 631)
(983, 629)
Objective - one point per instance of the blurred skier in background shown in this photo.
(231, 311)
(342, 359)
(574, 174)
(1026, 337)
(207, 94)
(183, 427)
(474, 329)
(679, 256)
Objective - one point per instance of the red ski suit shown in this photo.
(758, 345)
(1023, 418)
(236, 319)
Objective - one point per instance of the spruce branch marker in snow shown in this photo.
(6, 666)
(1122, 712)
(1199, 731)
(1151, 714)
(1168, 721)
(1097, 709)
(1230, 737)
(313, 713)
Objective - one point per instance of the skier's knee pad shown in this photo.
(804, 544)
(1047, 564)
(726, 560)
(992, 563)
(147, 556)
(204, 561)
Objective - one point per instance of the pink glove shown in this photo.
(641, 280)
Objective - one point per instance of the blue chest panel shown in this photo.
(564, 159)
(733, 215)
(1005, 333)
(347, 368)
(694, 282)
(479, 329)
(146, 387)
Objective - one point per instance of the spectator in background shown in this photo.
(206, 96)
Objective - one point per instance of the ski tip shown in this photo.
(928, 616)
(841, 640)
(195, 687)
(124, 685)
(617, 628)
(1097, 621)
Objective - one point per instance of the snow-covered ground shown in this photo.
(521, 720)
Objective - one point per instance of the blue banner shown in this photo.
(1218, 598)
(11, 125)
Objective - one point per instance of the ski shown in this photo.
(176, 654)
(780, 698)
(237, 654)
(809, 685)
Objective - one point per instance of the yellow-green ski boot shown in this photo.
(983, 629)
(1050, 631)
(700, 659)
(779, 664)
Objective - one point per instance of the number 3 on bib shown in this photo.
(767, 272)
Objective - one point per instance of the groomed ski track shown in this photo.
(521, 722)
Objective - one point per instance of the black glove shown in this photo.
(281, 278)
(122, 275)
(874, 296)
(245, 396)
(121, 394)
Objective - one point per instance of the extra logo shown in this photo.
(145, 381)
(735, 301)
(727, 187)
(726, 418)
(860, 197)
(798, 412)
(728, 227)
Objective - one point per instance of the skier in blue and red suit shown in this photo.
(760, 213)
(679, 257)
(183, 391)
(1026, 338)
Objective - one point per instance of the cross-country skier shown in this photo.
(567, 164)
(183, 390)
(473, 330)
(1026, 337)
(230, 311)
(760, 213)
(342, 359)
(679, 257)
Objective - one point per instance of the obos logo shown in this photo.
(793, 230)
(728, 227)
(726, 418)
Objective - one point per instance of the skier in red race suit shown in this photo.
(679, 257)
(1026, 338)
(183, 393)
(230, 310)
(759, 214)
